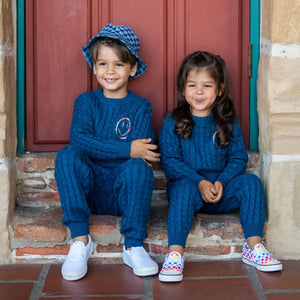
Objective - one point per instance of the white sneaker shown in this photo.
(75, 266)
(139, 260)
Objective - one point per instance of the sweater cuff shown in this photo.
(124, 150)
(197, 178)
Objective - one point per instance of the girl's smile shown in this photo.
(200, 92)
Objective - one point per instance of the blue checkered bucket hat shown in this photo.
(122, 33)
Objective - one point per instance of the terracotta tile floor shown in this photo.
(202, 280)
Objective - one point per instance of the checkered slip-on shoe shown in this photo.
(260, 258)
(172, 270)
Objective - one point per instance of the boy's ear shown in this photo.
(133, 70)
(94, 69)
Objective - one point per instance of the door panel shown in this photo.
(168, 30)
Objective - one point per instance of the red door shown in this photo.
(168, 30)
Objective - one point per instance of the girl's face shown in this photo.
(200, 92)
(112, 74)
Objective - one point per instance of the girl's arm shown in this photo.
(171, 157)
(237, 157)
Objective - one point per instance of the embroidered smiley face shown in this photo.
(123, 128)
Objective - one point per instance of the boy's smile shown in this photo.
(200, 92)
(112, 74)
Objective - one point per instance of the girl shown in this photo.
(203, 154)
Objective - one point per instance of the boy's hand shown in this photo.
(211, 193)
(143, 149)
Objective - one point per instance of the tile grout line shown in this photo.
(37, 290)
(256, 283)
(148, 288)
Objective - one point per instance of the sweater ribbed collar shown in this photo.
(202, 120)
(113, 101)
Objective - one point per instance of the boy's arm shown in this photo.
(171, 157)
(237, 157)
(83, 136)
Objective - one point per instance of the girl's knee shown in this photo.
(252, 181)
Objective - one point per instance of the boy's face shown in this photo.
(112, 74)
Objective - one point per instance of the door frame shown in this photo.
(21, 78)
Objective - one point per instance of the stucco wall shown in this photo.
(7, 125)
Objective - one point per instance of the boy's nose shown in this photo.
(110, 69)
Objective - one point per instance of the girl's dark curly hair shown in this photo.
(223, 109)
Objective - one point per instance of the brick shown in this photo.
(56, 250)
(39, 225)
(52, 184)
(227, 226)
(208, 250)
(110, 248)
(41, 196)
(46, 233)
(102, 224)
(158, 249)
(34, 183)
(36, 162)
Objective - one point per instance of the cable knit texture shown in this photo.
(95, 174)
(187, 162)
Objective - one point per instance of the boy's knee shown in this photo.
(139, 166)
(68, 154)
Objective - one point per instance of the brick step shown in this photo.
(39, 236)
(36, 185)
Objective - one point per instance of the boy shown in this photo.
(107, 167)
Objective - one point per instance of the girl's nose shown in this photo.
(199, 90)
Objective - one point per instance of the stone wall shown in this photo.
(7, 125)
(279, 122)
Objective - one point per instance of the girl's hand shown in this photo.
(211, 193)
(219, 188)
(143, 149)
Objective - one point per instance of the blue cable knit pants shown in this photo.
(244, 192)
(85, 187)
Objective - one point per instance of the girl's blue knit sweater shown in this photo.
(104, 128)
(200, 157)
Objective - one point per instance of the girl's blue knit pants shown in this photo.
(244, 192)
(86, 188)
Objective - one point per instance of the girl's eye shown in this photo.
(208, 86)
(190, 85)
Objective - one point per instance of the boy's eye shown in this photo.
(101, 63)
(119, 65)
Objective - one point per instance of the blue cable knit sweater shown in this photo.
(104, 128)
(199, 157)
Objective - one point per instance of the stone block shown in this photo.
(285, 133)
(284, 209)
(286, 20)
(284, 85)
